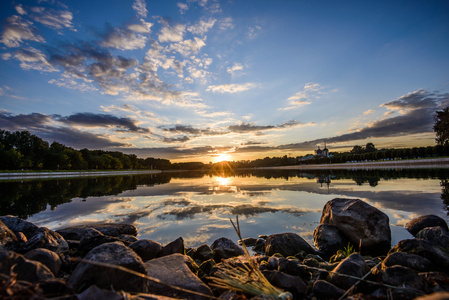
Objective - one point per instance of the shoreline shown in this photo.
(391, 164)
(33, 175)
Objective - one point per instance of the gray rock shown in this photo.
(203, 253)
(164, 268)
(328, 240)
(27, 270)
(90, 242)
(87, 274)
(432, 252)
(411, 261)
(289, 283)
(7, 236)
(177, 246)
(46, 238)
(287, 244)
(146, 249)
(128, 238)
(436, 235)
(402, 276)
(249, 242)
(46, 257)
(77, 232)
(353, 265)
(418, 224)
(361, 223)
(224, 248)
(19, 225)
(325, 290)
(93, 292)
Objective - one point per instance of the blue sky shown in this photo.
(193, 80)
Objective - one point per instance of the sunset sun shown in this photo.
(223, 157)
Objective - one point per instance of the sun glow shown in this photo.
(223, 157)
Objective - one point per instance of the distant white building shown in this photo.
(322, 153)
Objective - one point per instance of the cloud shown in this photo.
(188, 129)
(172, 33)
(253, 32)
(142, 27)
(368, 112)
(310, 91)
(202, 26)
(140, 7)
(235, 69)
(56, 19)
(231, 88)
(183, 7)
(16, 30)
(226, 23)
(182, 139)
(20, 9)
(31, 59)
(124, 38)
(250, 127)
(95, 120)
(188, 47)
(21, 121)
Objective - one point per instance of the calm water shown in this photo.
(198, 206)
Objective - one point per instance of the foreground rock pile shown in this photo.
(107, 261)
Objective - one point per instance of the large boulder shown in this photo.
(361, 223)
(224, 248)
(46, 238)
(418, 224)
(287, 244)
(19, 225)
(27, 270)
(107, 277)
(173, 270)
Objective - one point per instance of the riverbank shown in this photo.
(69, 174)
(389, 164)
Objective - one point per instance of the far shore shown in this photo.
(65, 174)
(388, 164)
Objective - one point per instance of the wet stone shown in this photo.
(146, 249)
(287, 244)
(224, 248)
(418, 224)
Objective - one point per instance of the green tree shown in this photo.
(441, 126)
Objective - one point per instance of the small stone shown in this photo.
(292, 284)
(46, 257)
(46, 238)
(328, 240)
(249, 242)
(19, 225)
(177, 246)
(224, 248)
(412, 261)
(325, 290)
(127, 238)
(27, 270)
(7, 236)
(203, 253)
(353, 265)
(287, 244)
(146, 249)
(90, 242)
(418, 224)
(402, 276)
(436, 235)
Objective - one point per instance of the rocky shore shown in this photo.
(352, 257)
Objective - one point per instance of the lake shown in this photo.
(197, 206)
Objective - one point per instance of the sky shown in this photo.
(206, 80)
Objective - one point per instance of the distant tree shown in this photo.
(357, 149)
(441, 126)
(370, 147)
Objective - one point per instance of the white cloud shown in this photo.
(16, 30)
(73, 82)
(310, 91)
(172, 33)
(143, 27)
(124, 39)
(368, 112)
(231, 88)
(202, 27)
(56, 19)
(253, 32)
(20, 10)
(183, 7)
(140, 7)
(32, 59)
(235, 68)
(188, 47)
(226, 23)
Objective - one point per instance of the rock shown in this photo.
(90, 242)
(77, 232)
(27, 270)
(438, 257)
(402, 276)
(249, 242)
(46, 238)
(164, 268)
(434, 296)
(418, 224)
(7, 236)
(325, 290)
(177, 246)
(146, 249)
(360, 223)
(411, 261)
(116, 253)
(287, 244)
(353, 265)
(328, 240)
(19, 225)
(203, 253)
(54, 288)
(127, 238)
(93, 292)
(435, 281)
(46, 257)
(259, 247)
(436, 235)
(292, 284)
(293, 267)
(224, 248)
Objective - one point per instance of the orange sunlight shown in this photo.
(223, 157)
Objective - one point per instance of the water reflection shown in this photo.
(197, 206)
